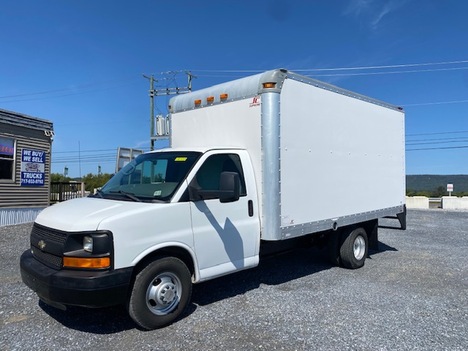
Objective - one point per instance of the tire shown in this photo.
(160, 293)
(354, 249)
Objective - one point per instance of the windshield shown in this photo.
(150, 177)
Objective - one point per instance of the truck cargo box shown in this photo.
(324, 157)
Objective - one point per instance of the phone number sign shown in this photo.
(32, 167)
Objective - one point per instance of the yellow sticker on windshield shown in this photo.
(181, 159)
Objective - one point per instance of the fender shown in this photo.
(165, 245)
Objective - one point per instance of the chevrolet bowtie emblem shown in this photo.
(41, 244)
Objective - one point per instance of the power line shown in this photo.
(440, 148)
(436, 103)
(88, 158)
(64, 92)
(101, 162)
(423, 64)
(435, 133)
(83, 151)
(105, 85)
(422, 142)
(390, 72)
(437, 141)
(387, 66)
(342, 74)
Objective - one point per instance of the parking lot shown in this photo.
(411, 295)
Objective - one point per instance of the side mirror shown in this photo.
(229, 187)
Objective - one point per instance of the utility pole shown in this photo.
(164, 92)
(151, 95)
(79, 158)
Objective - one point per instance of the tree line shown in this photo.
(432, 185)
(439, 192)
(91, 181)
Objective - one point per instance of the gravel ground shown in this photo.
(411, 295)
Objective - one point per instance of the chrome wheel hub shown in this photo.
(359, 248)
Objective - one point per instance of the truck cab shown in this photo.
(194, 209)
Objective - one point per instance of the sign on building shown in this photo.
(32, 167)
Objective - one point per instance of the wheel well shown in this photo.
(368, 226)
(172, 251)
(371, 228)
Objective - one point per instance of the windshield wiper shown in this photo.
(129, 195)
(98, 193)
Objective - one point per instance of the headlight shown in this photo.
(88, 243)
(88, 250)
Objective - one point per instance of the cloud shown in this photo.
(373, 12)
(357, 8)
(388, 8)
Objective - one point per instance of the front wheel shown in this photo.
(354, 249)
(160, 294)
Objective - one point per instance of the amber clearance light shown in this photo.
(269, 85)
(90, 263)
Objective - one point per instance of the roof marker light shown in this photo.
(269, 85)
(223, 96)
(210, 99)
(197, 103)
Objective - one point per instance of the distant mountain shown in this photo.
(431, 182)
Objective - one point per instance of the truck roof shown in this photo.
(196, 149)
(252, 86)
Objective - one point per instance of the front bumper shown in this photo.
(77, 288)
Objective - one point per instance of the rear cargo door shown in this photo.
(226, 235)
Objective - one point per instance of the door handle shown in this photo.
(250, 206)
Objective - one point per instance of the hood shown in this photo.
(86, 213)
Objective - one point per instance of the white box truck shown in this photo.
(259, 161)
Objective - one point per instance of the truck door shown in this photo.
(226, 234)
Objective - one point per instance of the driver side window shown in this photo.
(209, 174)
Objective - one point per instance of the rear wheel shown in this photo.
(160, 294)
(354, 248)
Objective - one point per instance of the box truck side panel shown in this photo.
(341, 157)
